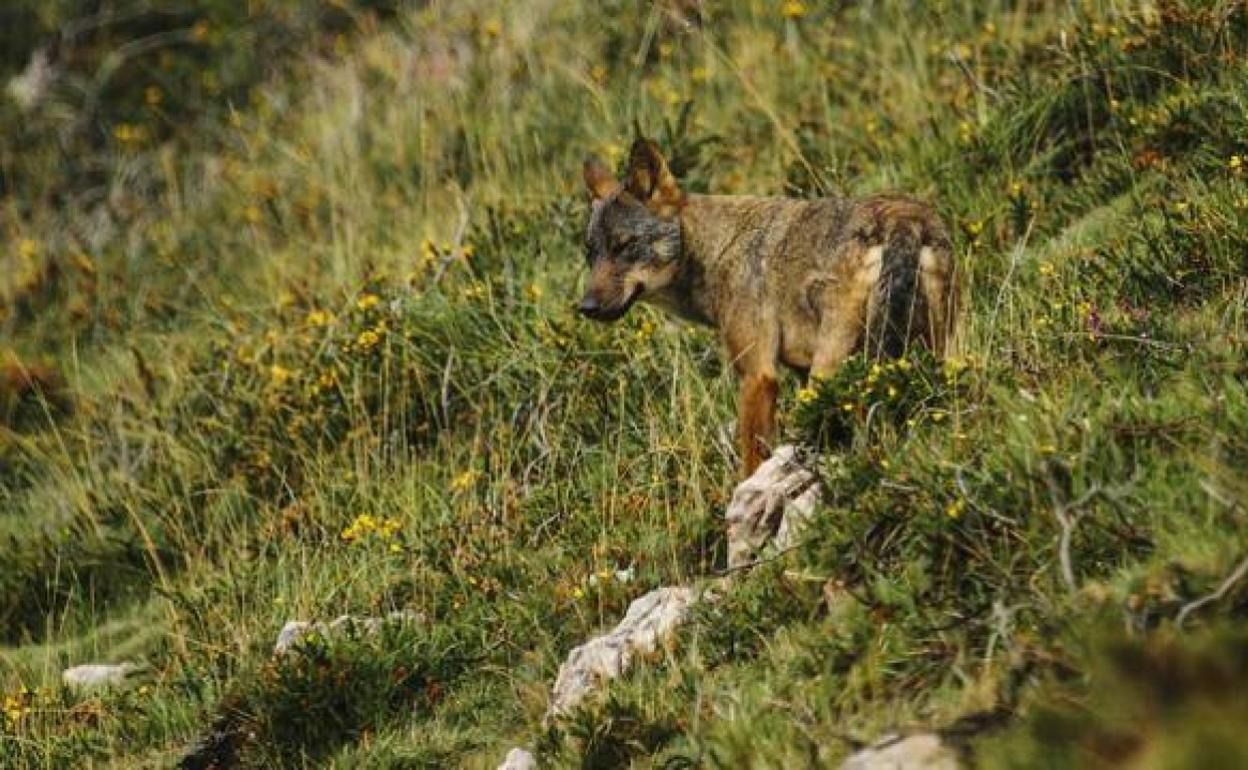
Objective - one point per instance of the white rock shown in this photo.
(294, 630)
(93, 675)
(774, 502)
(650, 619)
(923, 751)
(518, 759)
(29, 88)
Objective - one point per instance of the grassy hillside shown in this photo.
(286, 304)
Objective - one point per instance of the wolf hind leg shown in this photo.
(844, 322)
(940, 293)
(839, 335)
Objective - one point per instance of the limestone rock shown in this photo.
(95, 675)
(774, 502)
(294, 630)
(923, 751)
(31, 87)
(518, 759)
(650, 619)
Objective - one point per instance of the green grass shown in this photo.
(291, 336)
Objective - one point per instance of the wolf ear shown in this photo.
(650, 180)
(598, 178)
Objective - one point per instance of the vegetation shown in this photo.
(286, 301)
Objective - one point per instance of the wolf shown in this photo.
(786, 282)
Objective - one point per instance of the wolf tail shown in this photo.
(897, 310)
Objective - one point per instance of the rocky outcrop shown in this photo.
(518, 759)
(767, 511)
(294, 630)
(922, 751)
(93, 676)
(770, 507)
(31, 87)
(649, 620)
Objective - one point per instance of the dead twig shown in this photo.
(1068, 516)
(983, 509)
(1236, 575)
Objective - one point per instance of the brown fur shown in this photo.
(804, 283)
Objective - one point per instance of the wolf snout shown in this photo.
(590, 307)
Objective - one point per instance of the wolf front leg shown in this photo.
(757, 418)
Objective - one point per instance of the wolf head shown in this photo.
(632, 242)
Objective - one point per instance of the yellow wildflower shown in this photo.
(129, 134)
(27, 248)
(318, 318)
(280, 375)
(806, 395)
(367, 301)
(464, 480)
(428, 251)
(363, 525)
(954, 509)
(793, 9)
(368, 339)
(16, 706)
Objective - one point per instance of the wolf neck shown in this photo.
(711, 228)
